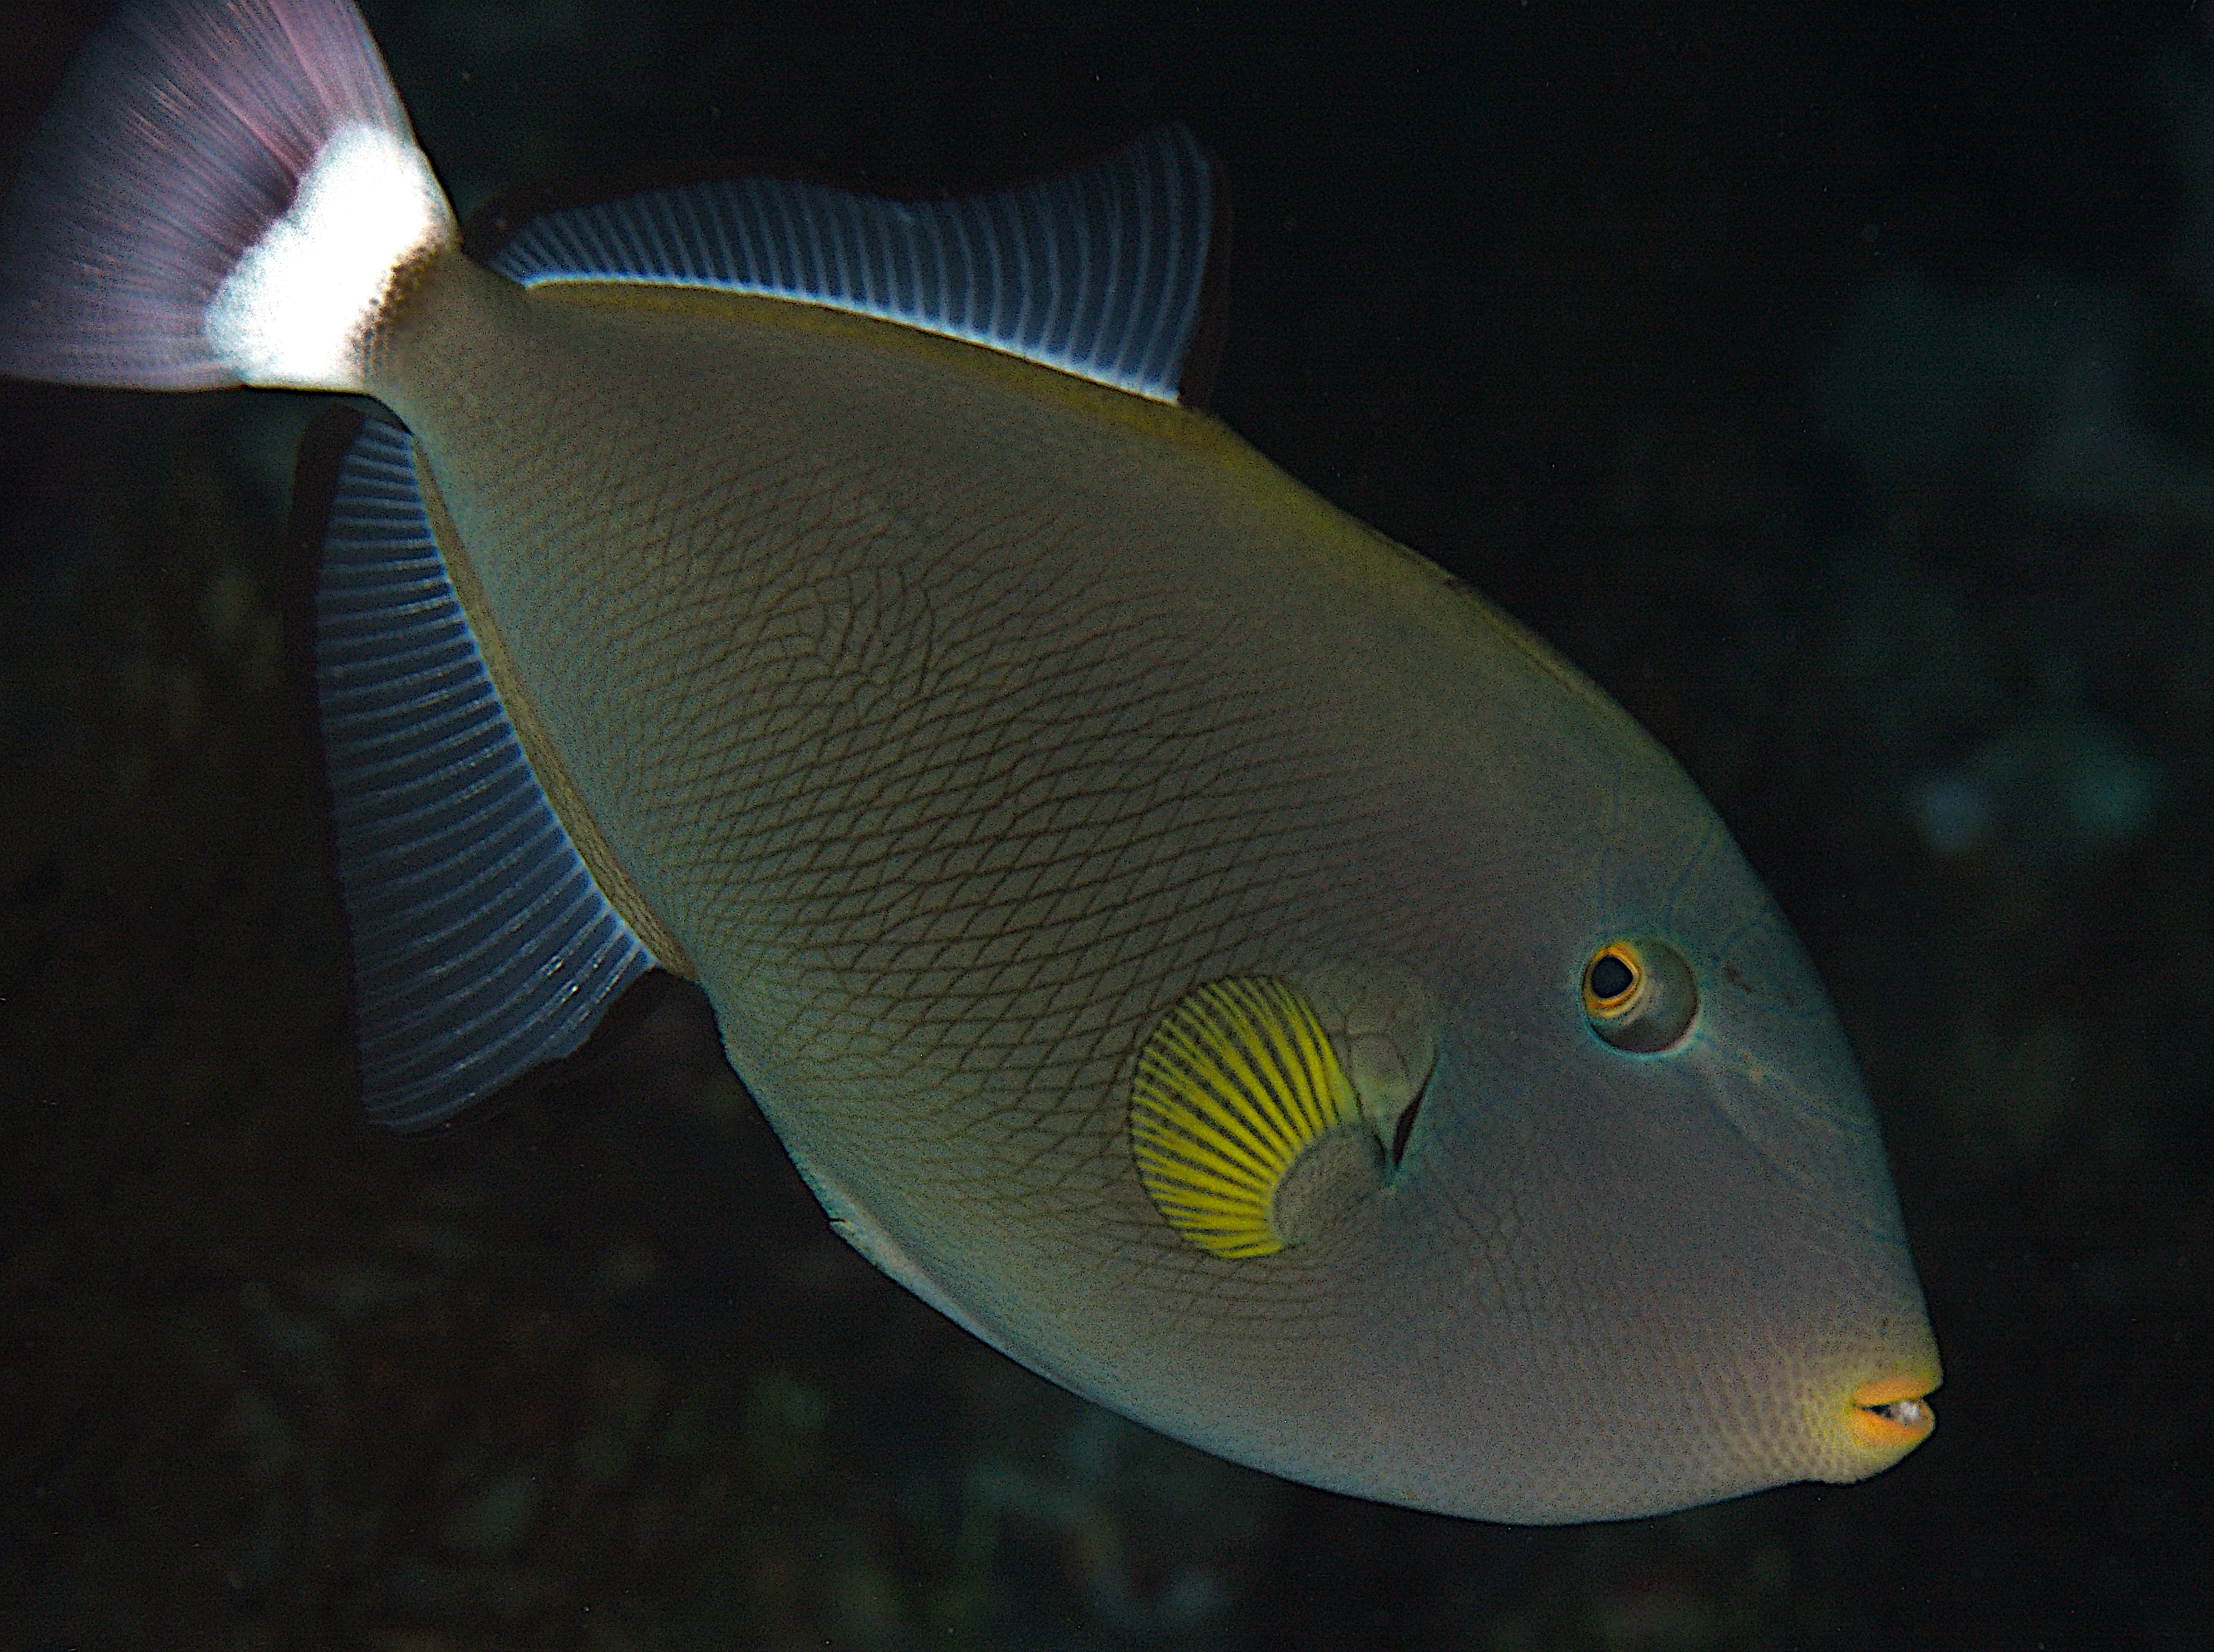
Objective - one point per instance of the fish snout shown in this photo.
(1892, 1414)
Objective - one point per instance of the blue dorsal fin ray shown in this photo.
(1101, 273)
(481, 947)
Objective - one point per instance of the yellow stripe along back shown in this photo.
(1236, 1081)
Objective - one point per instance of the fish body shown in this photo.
(1210, 954)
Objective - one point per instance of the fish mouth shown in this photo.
(1892, 1414)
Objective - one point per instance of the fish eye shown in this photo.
(1611, 980)
(1639, 994)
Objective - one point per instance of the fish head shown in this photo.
(1640, 1203)
(1699, 1213)
(1602, 1225)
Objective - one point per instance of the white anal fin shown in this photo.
(481, 947)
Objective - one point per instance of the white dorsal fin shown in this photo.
(1099, 272)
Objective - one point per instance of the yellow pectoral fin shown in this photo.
(1235, 1086)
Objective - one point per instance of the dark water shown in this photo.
(1837, 386)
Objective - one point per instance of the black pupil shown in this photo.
(1610, 977)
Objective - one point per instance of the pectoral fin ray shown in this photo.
(1236, 1084)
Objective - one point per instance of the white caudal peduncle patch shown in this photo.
(296, 310)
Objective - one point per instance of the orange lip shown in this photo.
(1893, 1413)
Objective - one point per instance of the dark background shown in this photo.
(1834, 383)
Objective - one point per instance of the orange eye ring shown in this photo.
(1640, 994)
(1612, 980)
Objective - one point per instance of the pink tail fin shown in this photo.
(179, 159)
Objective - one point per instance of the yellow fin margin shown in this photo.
(1236, 1082)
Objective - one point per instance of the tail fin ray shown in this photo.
(177, 148)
